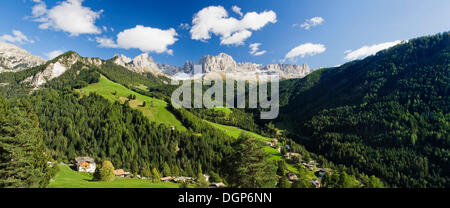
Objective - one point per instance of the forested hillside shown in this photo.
(386, 115)
(23, 155)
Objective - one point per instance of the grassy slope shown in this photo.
(275, 155)
(160, 114)
(68, 178)
(155, 110)
(223, 109)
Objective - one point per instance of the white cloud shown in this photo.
(236, 38)
(215, 20)
(69, 16)
(368, 50)
(16, 37)
(105, 42)
(237, 10)
(254, 49)
(146, 39)
(311, 23)
(305, 49)
(53, 54)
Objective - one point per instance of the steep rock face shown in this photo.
(288, 71)
(14, 58)
(219, 63)
(227, 66)
(223, 64)
(140, 64)
(58, 66)
(121, 60)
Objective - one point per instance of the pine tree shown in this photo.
(156, 176)
(201, 181)
(250, 166)
(23, 156)
(283, 182)
(107, 171)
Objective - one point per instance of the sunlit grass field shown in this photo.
(68, 178)
(155, 109)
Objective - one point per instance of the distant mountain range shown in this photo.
(222, 63)
(13, 59)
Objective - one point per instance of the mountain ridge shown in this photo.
(14, 58)
(222, 63)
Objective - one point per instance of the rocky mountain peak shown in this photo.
(144, 61)
(14, 58)
(121, 60)
(220, 63)
(59, 66)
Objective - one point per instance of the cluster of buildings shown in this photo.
(320, 173)
(183, 179)
(87, 165)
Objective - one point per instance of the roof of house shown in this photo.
(167, 178)
(217, 184)
(119, 172)
(81, 160)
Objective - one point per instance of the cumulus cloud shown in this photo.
(105, 42)
(68, 16)
(16, 37)
(237, 10)
(368, 50)
(236, 38)
(53, 54)
(254, 49)
(305, 49)
(215, 20)
(311, 23)
(146, 39)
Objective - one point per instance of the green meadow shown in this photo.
(274, 154)
(68, 178)
(155, 109)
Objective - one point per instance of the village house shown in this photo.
(217, 185)
(316, 183)
(121, 173)
(291, 176)
(273, 143)
(292, 156)
(322, 172)
(85, 164)
(309, 166)
(182, 179)
(167, 179)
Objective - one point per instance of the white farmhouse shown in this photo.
(85, 164)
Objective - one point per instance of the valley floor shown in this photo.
(68, 178)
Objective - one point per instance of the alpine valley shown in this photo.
(382, 121)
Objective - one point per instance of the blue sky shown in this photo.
(343, 28)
